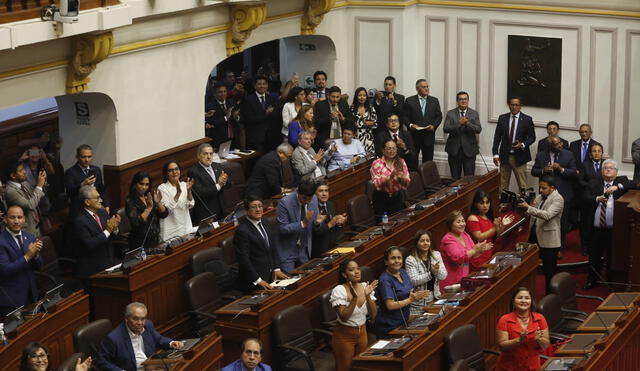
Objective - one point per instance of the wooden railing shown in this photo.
(20, 10)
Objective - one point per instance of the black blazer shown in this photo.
(220, 131)
(576, 148)
(322, 120)
(525, 133)
(208, 198)
(595, 188)
(432, 115)
(409, 155)
(386, 107)
(93, 250)
(543, 145)
(324, 238)
(588, 172)
(266, 178)
(72, 179)
(564, 180)
(257, 121)
(256, 259)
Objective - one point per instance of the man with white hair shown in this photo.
(601, 193)
(135, 334)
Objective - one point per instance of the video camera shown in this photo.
(526, 195)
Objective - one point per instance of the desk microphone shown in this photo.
(584, 358)
(483, 161)
(211, 213)
(144, 240)
(232, 213)
(404, 320)
(626, 310)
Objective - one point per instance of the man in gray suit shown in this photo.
(462, 124)
(19, 192)
(635, 154)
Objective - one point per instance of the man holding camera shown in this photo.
(81, 174)
(21, 193)
(511, 140)
(388, 101)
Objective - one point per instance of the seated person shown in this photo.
(266, 178)
(458, 249)
(395, 294)
(250, 358)
(344, 152)
(305, 161)
(35, 357)
(19, 258)
(135, 334)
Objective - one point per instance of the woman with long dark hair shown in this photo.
(482, 226)
(365, 119)
(353, 301)
(178, 199)
(425, 269)
(522, 335)
(144, 209)
(302, 122)
(295, 100)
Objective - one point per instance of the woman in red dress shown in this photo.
(483, 227)
(522, 335)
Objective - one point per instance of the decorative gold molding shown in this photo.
(88, 51)
(244, 19)
(314, 11)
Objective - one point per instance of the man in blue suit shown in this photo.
(132, 342)
(559, 162)
(81, 174)
(511, 140)
(250, 359)
(19, 256)
(296, 215)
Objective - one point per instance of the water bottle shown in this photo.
(234, 219)
(385, 219)
(3, 337)
(143, 254)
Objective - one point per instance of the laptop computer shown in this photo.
(223, 151)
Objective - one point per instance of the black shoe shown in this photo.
(585, 252)
(590, 284)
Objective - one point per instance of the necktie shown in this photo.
(323, 209)
(263, 232)
(513, 129)
(461, 113)
(224, 107)
(395, 137)
(262, 101)
(555, 157)
(86, 171)
(423, 104)
(603, 209)
(584, 151)
(19, 242)
(302, 211)
(597, 166)
(211, 174)
(95, 216)
(539, 207)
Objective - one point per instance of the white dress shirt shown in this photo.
(137, 342)
(178, 222)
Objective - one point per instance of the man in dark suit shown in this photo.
(388, 101)
(132, 342)
(92, 230)
(404, 141)
(256, 243)
(19, 257)
(635, 155)
(221, 116)
(581, 148)
(558, 162)
(266, 178)
(329, 222)
(462, 124)
(19, 192)
(81, 174)
(331, 115)
(320, 82)
(209, 184)
(3, 206)
(296, 213)
(601, 194)
(552, 129)
(422, 116)
(513, 136)
(261, 114)
(589, 169)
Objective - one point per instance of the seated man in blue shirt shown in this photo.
(250, 358)
(344, 152)
(135, 333)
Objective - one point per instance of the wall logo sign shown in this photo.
(82, 113)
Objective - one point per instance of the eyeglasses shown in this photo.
(250, 352)
(256, 207)
(38, 356)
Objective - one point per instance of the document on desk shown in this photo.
(284, 282)
(380, 344)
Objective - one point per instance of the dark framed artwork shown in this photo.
(535, 70)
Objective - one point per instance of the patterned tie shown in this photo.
(86, 171)
(323, 209)
(395, 137)
(95, 216)
(597, 166)
(513, 129)
(263, 232)
(461, 113)
(423, 104)
(603, 209)
(584, 151)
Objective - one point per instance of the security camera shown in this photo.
(68, 12)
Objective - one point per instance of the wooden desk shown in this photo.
(560, 361)
(235, 326)
(159, 281)
(619, 301)
(600, 322)
(580, 344)
(620, 350)
(484, 309)
(626, 239)
(205, 355)
(53, 330)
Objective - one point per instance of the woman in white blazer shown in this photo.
(425, 268)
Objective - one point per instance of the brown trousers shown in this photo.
(348, 342)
